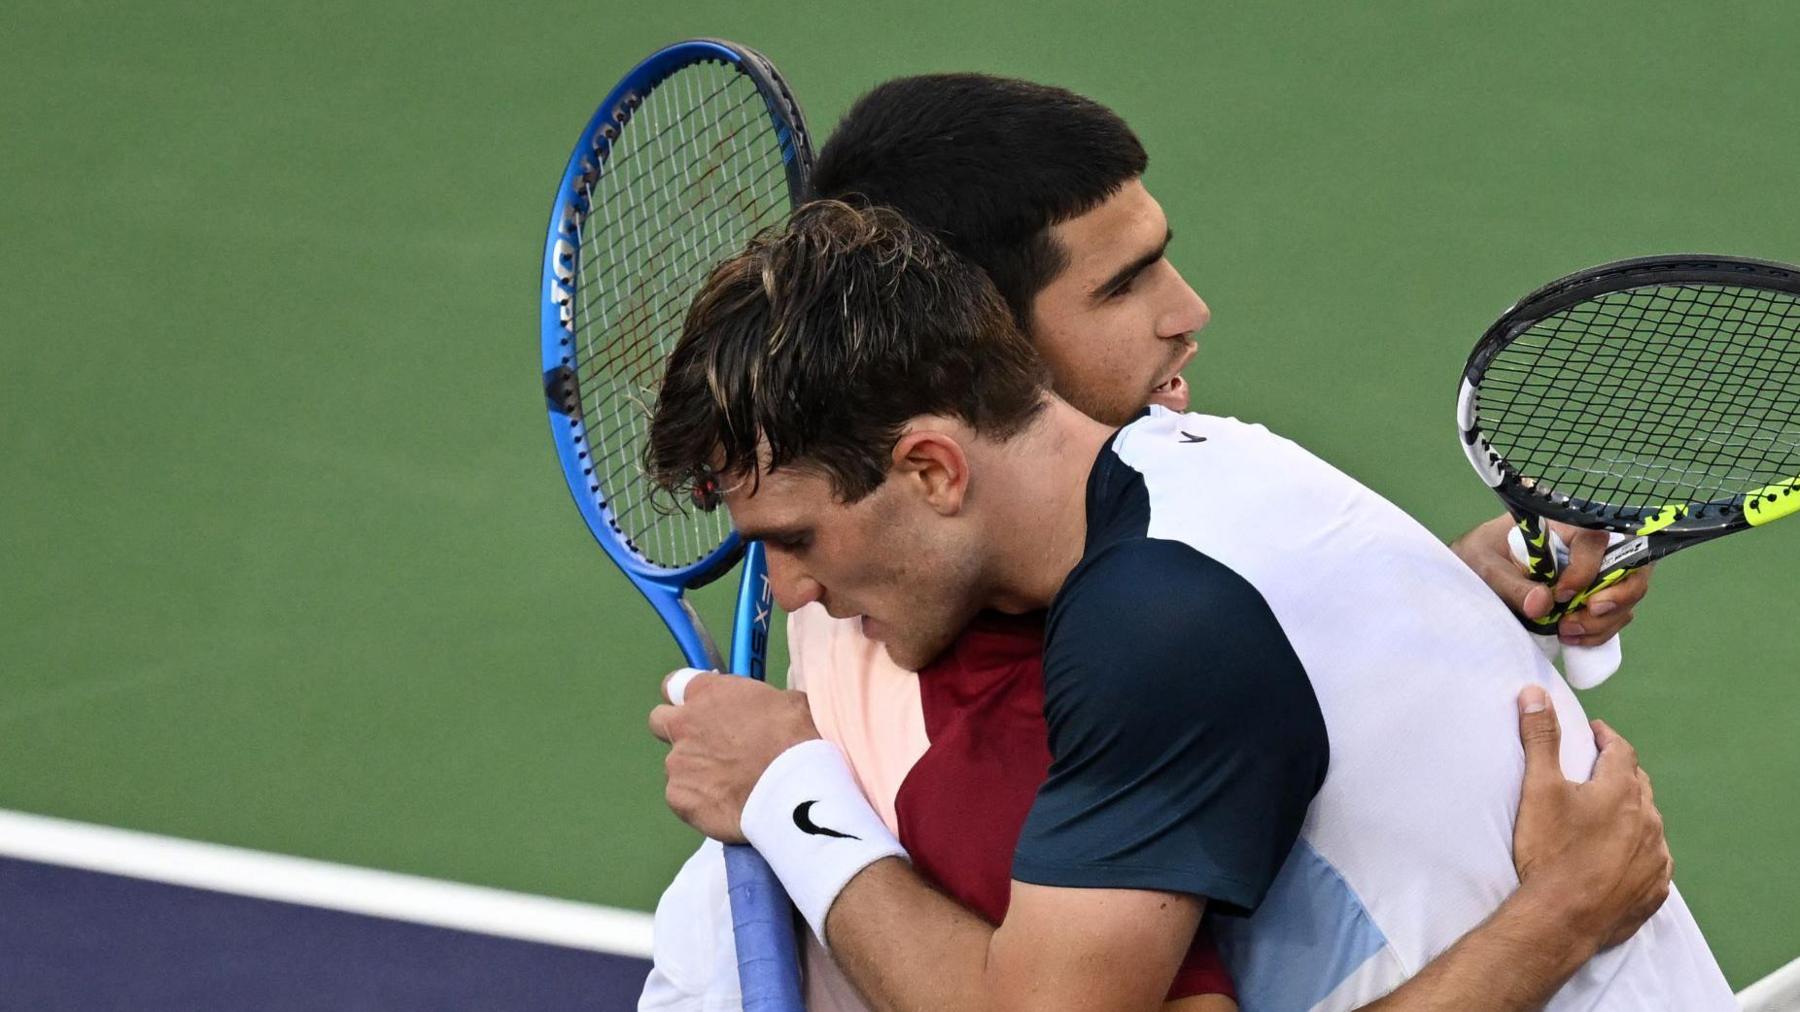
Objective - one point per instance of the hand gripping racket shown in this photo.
(697, 148)
(1655, 398)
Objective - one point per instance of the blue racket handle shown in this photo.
(762, 919)
(762, 924)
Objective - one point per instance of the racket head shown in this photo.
(1653, 395)
(697, 148)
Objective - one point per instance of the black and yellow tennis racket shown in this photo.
(1656, 398)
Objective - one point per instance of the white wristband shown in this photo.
(811, 823)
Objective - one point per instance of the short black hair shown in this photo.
(987, 164)
(817, 344)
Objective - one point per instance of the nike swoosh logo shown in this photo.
(1189, 437)
(807, 825)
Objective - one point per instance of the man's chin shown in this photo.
(911, 652)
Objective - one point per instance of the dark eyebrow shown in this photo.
(1132, 269)
(778, 533)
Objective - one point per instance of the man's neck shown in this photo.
(1040, 515)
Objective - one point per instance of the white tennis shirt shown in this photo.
(1416, 666)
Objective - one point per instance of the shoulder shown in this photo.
(1154, 634)
(811, 632)
(839, 668)
(1148, 598)
(1160, 427)
(1190, 459)
(1146, 579)
(1206, 481)
(859, 699)
(818, 643)
(1186, 741)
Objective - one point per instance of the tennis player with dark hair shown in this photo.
(1337, 780)
(1040, 187)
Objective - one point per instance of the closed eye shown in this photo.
(1124, 287)
(1120, 283)
(791, 542)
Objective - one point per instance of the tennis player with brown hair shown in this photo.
(952, 758)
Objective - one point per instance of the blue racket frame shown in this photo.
(763, 920)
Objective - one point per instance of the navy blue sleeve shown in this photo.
(1185, 739)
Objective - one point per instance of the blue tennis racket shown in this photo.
(697, 148)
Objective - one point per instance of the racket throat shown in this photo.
(714, 660)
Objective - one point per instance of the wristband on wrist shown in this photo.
(809, 820)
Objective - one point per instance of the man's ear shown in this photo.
(937, 467)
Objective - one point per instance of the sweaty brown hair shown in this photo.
(816, 345)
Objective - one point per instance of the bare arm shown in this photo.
(1515, 960)
(1591, 858)
(1593, 863)
(902, 943)
(906, 946)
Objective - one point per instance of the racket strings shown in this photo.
(625, 400)
(640, 319)
(637, 204)
(1683, 387)
(627, 160)
(636, 361)
(696, 169)
(650, 307)
(1654, 396)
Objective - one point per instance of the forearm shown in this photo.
(1514, 961)
(907, 946)
(902, 943)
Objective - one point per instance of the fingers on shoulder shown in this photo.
(1537, 718)
(1618, 759)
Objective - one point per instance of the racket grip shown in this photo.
(762, 925)
(1583, 667)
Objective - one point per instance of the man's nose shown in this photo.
(1187, 313)
(792, 587)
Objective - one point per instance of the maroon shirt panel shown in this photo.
(963, 803)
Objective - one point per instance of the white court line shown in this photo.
(323, 884)
(1778, 992)
(423, 900)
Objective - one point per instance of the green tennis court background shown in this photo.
(286, 559)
